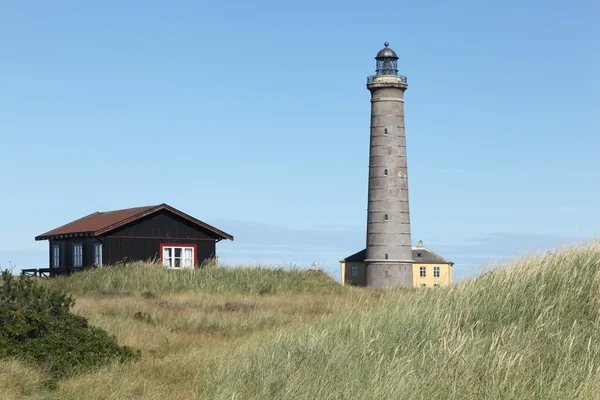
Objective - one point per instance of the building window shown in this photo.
(423, 285)
(436, 285)
(175, 257)
(98, 254)
(386, 256)
(385, 217)
(436, 272)
(422, 272)
(385, 173)
(385, 131)
(354, 271)
(78, 255)
(56, 256)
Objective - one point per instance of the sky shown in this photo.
(254, 117)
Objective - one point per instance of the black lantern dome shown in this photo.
(387, 61)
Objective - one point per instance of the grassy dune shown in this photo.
(529, 329)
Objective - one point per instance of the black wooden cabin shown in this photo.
(135, 234)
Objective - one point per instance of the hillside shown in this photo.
(530, 328)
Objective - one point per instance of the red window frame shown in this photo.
(192, 245)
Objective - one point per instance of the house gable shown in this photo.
(162, 224)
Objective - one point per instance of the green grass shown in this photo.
(528, 329)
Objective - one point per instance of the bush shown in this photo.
(36, 326)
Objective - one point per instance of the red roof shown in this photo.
(102, 222)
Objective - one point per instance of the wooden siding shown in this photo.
(117, 250)
(163, 224)
(66, 251)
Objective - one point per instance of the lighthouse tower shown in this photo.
(389, 256)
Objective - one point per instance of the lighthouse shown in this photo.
(388, 253)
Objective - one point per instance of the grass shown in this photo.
(528, 329)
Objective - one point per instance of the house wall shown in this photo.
(429, 281)
(360, 280)
(141, 240)
(115, 250)
(66, 251)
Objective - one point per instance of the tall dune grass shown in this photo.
(154, 278)
(528, 329)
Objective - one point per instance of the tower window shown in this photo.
(422, 272)
(385, 172)
(385, 217)
(385, 131)
(386, 256)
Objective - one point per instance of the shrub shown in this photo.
(36, 326)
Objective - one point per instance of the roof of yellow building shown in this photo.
(419, 255)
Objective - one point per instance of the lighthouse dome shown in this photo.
(386, 52)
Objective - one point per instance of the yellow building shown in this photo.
(429, 269)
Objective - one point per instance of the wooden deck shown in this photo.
(50, 272)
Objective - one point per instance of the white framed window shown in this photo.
(176, 257)
(422, 272)
(98, 254)
(354, 271)
(436, 272)
(56, 256)
(77, 254)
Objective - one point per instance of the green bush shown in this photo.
(36, 326)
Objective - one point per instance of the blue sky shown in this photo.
(254, 116)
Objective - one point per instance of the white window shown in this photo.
(178, 257)
(436, 272)
(354, 271)
(56, 256)
(98, 254)
(77, 255)
(422, 272)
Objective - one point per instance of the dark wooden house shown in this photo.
(135, 234)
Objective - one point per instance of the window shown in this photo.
(386, 256)
(423, 285)
(436, 272)
(56, 256)
(354, 271)
(422, 272)
(385, 131)
(436, 285)
(385, 217)
(385, 173)
(175, 257)
(77, 255)
(98, 254)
